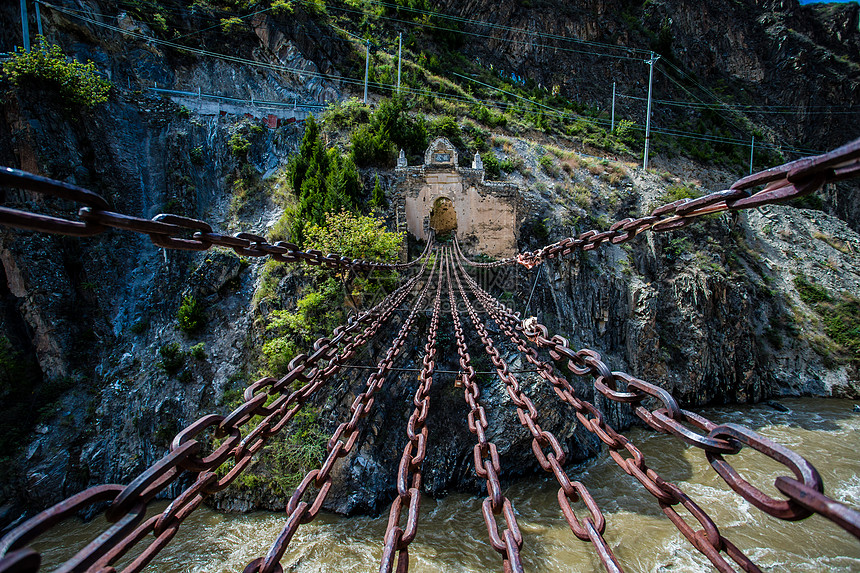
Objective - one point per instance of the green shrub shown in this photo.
(270, 277)
(239, 144)
(190, 315)
(232, 25)
(278, 352)
(512, 163)
(356, 236)
(377, 199)
(841, 318)
(370, 147)
(139, 326)
(539, 231)
(811, 293)
(811, 201)
(388, 129)
(347, 114)
(198, 351)
(183, 112)
(676, 246)
(196, 155)
(322, 180)
(548, 165)
(281, 7)
(842, 324)
(491, 165)
(677, 192)
(626, 131)
(301, 450)
(45, 66)
(172, 357)
(446, 126)
(317, 313)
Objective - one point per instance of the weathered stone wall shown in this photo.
(487, 213)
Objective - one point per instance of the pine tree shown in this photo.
(378, 200)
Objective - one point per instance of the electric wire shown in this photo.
(427, 92)
(805, 110)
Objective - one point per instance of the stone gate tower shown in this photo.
(442, 196)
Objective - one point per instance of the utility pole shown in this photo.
(752, 151)
(25, 25)
(651, 63)
(38, 19)
(366, 68)
(613, 107)
(399, 58)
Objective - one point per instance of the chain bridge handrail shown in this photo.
(805, 490)
(274, 400)
(164, 230)
(782, 183)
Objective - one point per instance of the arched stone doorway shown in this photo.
(443, 218)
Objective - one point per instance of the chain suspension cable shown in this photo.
(500, 263)
(804, 491)
(272, 399)
(591, 528)
(708, 540)
(164, 230)
(486, 454)
(397, 539)
(339, 445)
(782, 183)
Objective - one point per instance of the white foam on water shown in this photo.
(848, 492)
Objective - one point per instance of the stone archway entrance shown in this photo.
(443, 218)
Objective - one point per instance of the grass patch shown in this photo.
(840, 246)
(45, 66)
(839, 316)
(677, 192)
(172, 357)
(190, 315)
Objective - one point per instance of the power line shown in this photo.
(420, 92)
(751, 108)
(485, 36)
(200, 51)
(507, 28)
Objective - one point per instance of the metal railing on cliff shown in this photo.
(270, 404)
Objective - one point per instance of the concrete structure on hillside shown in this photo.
(440, 195)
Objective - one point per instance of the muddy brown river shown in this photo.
(452, 535)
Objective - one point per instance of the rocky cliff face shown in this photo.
(713, 319)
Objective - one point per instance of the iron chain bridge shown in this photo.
(440, 277)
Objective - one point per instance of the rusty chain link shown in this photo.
(805, 493)
(339, 445)
(591, 528)
(805, 490)
(128, 504)
(397, 539)
(164, 230)
(708, 540)
(782, 183)
(486, 454)
(276, 401)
